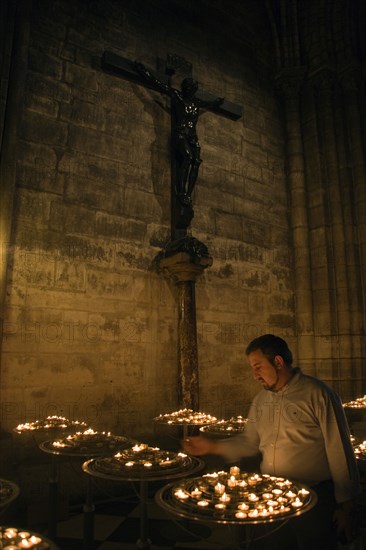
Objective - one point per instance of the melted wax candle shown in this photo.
(219, 489)
(58, 444)
(253, 480)
(10, 533)
(242, 483)
(214, 475)
(181, 494)
(231, 483)
(138, 448)
(296, 503)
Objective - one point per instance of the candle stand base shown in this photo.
(185, 531)
(143, 544)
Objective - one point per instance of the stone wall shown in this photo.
(90, 324)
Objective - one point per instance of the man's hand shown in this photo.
(198, 445)
(345, 520)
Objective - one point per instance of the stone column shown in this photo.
(353, 98)
(15, 44)
(351, 87)
(337, 279)
(185, 266)
(289, 85)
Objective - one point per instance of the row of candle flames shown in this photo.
(241, 495)
(208, 423)
(182, 416)
(15, 539)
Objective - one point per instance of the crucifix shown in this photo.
(184, 257)
(187, 105)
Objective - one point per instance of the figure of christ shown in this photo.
(185, 112)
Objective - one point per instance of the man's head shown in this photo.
(189, 87)
(271, 361)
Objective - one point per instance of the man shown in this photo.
(298, 425)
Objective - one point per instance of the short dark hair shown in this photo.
(271, 345)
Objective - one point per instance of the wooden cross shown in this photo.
(185, 106)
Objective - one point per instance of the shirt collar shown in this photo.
(293, 380)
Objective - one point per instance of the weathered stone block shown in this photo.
(141, 204)
(39, 128)
(70, 276)
(208, 194)
(229, 225)
(256, 279)
(40, 177)
(256, 233)
(42, 62)
(80, 77)
(82, 113)
(58, 91)
(42, 105)
(115, 227)
(71, 219)
(33, 206)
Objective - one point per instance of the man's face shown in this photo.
(263, 370)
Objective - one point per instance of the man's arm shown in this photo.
(338, 447)
(245, 444)
(343, 466)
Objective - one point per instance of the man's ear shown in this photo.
(279, 362)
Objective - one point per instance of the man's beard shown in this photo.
(272, 387)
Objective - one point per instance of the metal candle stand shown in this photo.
(185, 418)
(225, 428)
(115, 468)
(8, 492)
(204, 499)
(15, 537)
(85, 449)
